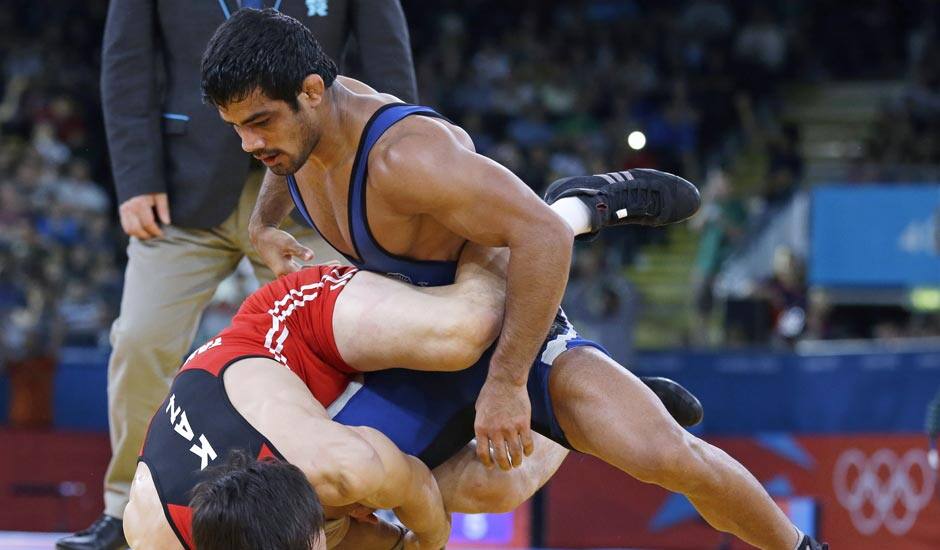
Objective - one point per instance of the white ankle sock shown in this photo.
(799, 539)
(575, 212)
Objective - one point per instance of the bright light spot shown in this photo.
(636, 140)
(925, 299)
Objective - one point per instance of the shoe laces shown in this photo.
(637, 198)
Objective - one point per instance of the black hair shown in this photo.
(262, 49)
(246, 504)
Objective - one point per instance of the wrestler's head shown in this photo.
(267, 75)
(247, 503)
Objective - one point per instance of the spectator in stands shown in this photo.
(722, 222)
(786, 293)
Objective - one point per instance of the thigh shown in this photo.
(605, 410)
(169, 280)
(470, 487)
(381, 323)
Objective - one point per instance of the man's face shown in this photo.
(272, 132)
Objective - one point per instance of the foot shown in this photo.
(684, 407)
(809, 543)
(106, 533)
(639, 196)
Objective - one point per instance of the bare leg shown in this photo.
(606, 411)
(471, 488)
(380, 323)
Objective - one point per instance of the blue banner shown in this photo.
(875, 236)
(750, 392)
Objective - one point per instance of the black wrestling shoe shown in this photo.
(106, 533)
(639, 196)
(808, 543)
(684, 407)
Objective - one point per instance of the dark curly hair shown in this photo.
(262, 49)
(246, 504)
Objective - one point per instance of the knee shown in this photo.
(465, 335)
(485, 496)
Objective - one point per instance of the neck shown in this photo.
(334, 143)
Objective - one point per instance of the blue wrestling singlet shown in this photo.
(427, 414)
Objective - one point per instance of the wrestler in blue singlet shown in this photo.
(427, 414)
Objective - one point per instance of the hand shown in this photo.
(436, 540)
(278, 249)
(137, 218)
(502, 423)
(363, 514)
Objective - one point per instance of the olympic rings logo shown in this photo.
(872, 488)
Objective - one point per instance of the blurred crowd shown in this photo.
(549, 89)
(557, 91)
(60, 271)
(906, 134)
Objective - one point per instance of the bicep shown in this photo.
(466, 192)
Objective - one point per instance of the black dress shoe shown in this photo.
(106, 533)
(639, 196)
(684, 407)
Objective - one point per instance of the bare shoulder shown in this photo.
(145, 524)
(415, 149)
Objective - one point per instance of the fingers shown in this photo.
(163, 208)
(528, 444)
(514, 448)
(483, 449)
(500, 452)
(137, 218)
(302, 252)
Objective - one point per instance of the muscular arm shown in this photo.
(406, 486)
(273, 205)
(277, 248)
(426, 171)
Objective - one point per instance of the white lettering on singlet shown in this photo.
(204, 450)
(203, 348)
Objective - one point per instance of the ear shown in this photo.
(312, 90)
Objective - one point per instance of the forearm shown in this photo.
(536, 280)
(422, 508)
(273, 205)
(408, 488)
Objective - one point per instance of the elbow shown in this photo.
(561, 233)
(355, 474)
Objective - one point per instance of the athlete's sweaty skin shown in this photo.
(456, 322)
(429, 193)
(345, 465)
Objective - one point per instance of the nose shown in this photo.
(251, 141)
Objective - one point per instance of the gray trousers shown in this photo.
(167, 284)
